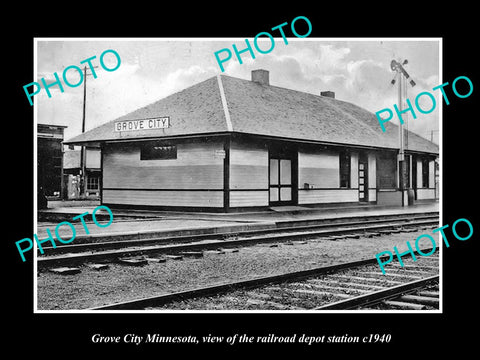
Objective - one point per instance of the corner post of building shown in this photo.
(100, 180)
(295, 176)
(226, 173)
(401, 135)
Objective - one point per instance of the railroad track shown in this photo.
(286, 231)
(354, 285)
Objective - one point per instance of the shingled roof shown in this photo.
(224, 104)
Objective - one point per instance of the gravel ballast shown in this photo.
(117, 283)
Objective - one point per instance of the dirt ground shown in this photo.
(92, 288)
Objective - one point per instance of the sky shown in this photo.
(357, 70)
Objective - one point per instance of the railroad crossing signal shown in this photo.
(396, 66)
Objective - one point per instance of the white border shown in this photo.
(310, 312)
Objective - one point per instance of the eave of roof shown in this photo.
(225, 104)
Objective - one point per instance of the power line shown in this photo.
(83, 150)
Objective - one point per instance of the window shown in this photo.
(345, 170)
(408, 160)
(158, 151)
(425, 173)
(92, 183)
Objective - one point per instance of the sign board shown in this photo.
(143, 124)
(219, 154)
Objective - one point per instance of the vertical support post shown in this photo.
(401, 154)
(226, 174)
(82, 149)
(100, 181)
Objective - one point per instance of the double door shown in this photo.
(282, 191)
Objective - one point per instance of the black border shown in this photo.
(62, 335)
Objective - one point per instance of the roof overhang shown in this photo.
(98, 143)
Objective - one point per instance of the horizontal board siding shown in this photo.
(175, 177)
(248, 154)
(389, 197)
(197, 167)
(326, 178)
(248, 198)
(248, 166)
(320, 169)
(423, 194)
(164, 198)
(248, 177)
(327, 196)
(187, 154)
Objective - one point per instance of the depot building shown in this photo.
(228, 144)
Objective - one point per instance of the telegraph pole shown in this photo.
(83, 150)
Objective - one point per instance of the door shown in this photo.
(362, 179)
(281, 187)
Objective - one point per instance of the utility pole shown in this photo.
(403, 76)
(83, 150)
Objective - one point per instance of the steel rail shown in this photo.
(250, 232)
(159, 300)
(380, 295)
(214, 244)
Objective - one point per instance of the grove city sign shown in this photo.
(144, 124)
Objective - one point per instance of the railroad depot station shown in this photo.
(229, 144)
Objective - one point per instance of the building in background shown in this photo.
(227, 144)
(49, 161)
(76, 186)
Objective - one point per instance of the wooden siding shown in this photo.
(423, 194)
(196, 167)
(164, 198)
(248, 166)
(248, 198)
(393, 197)
(248, 173)
(92, 159)
(131, 181)
(327, 196)
(320, 169)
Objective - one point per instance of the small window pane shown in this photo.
(274, 194)
(274, 171)
(286, 194)
(285, 172)
(92, 183)
(158, 151)
(425, 173)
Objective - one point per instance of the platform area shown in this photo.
(140, 223)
